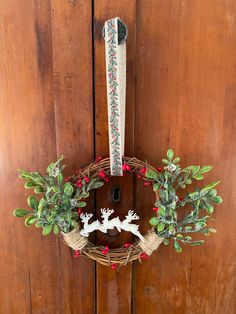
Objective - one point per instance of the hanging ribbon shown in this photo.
(115, 34)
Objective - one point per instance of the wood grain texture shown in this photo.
(72, 70)
(27, 137)
(42, 276)
(181, 93)
(113, 296)
(185, 63)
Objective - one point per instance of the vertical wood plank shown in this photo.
(186, 78)
(113, 288)
(72, 69)
(27, 137)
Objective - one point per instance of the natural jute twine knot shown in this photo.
(151, 242)
(75, 240)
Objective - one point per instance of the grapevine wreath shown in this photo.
(60, 209)
(62, 206)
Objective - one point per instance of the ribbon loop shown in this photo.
(115, 34)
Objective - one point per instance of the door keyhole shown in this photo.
(116, 194)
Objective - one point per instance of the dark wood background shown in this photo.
(181, 93)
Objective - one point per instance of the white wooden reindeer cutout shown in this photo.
(110, 224)
(88, 228)
(127, 226)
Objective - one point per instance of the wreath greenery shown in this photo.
(62, 200)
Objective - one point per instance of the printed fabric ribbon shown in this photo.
(115, 34)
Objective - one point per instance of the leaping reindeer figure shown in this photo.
(125, 224)
(88, 228)
(109, 224)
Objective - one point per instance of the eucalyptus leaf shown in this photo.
(176, 160)
(165, 161)
(39, 190)
(29, 221)
(217, 199)
(209, 208)
(156, 187)
(160, 227)
(19, 212)
(151, 174)
(68, 189)
(195, 169)
(81, 204)
(47, 229)
(29, 185)
(177, 246)
(60, 178)
(198, 177)
(195, 243)
(33, 202)
(154, 221)
(56, 229)
(205, 169)
(98, 184)
(211, 185)
(166, 241)
(170, 154)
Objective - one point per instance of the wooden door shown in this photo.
(181, 93)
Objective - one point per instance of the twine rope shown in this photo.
(151, 242)
(75, 240)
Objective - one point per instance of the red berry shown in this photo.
(104, 252)
(127, 245)
(98, 159)
(114, 266)
(181, 199)
(124, 167)
(107, 248)
(128, 168)
(76, 253)
(143, 256)
(102, 174)
(159, 169)
(67, 179)
(143, 170)
(138, 176)
(147, 183)
(79, 210)
(155, 209)
(86, 179)
(79, 183)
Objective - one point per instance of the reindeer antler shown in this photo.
(132, 215)
(85, 217)
(106, 212)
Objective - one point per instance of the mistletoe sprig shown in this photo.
(57, 209)
(166, 185)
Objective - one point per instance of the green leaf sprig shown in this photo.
(56, 210)
(166, 184)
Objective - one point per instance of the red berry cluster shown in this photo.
(80, 182)
(102, 174)
(105, 251)
(126, 167)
